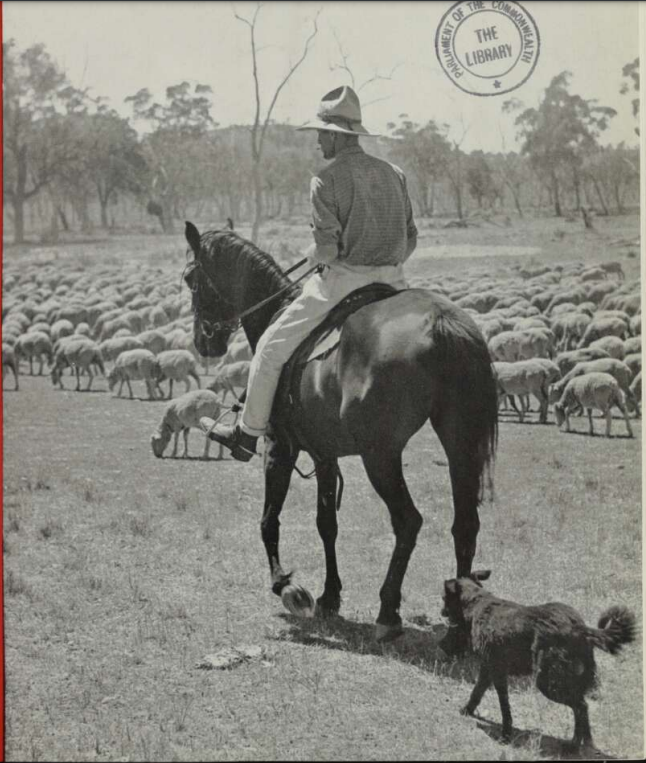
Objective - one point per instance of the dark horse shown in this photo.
(402, 361)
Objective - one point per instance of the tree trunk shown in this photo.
(63, 218)
(104, 213)
(257, 192)
(18, 206)
(516, 198)
(557, 200)
(602, 201)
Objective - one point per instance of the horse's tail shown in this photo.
(467, 370)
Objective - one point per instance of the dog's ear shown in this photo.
(451, 587)
(480, 575)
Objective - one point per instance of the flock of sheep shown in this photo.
(568, 335)
(114, 322)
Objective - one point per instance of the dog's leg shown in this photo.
(500, 682)
(482, 684)
(582, 734)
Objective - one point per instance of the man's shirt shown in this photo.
(360, 205)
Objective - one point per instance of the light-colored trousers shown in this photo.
(320, 294)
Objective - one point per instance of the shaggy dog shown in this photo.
(550, 642)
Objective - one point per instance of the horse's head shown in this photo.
(214, 315)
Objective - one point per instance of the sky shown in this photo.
(117, 48)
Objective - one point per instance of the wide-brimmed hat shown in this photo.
(340, 111)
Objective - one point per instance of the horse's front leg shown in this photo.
(279, 464)
(387, 477)
(326, 521)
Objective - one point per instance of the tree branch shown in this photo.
(288, 76)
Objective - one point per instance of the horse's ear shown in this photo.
(193, 237)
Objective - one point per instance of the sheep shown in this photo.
(524, 378)
(567, 360)
(634, 363)
(176, 365)
(636, 387)
(34, 345)
(153, 340)
(230, 376)
(79, 354)
(613, 345)
(112, 348)
(614, 268)
(9, 362)
(83, 329)
(601, 327)
(504, 347)
(135, 365)
(569, 328)
(633, 344)
(618, 370)
(594, 274)
(595, 390)
(180, 415)
(635, 324)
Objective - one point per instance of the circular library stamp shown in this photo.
(487, 47)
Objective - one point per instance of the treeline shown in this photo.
(72, 162)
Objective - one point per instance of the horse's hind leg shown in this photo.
(465, 483)
(326, 475)
(387, 477)
(279, 464)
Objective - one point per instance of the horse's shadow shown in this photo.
(419, 646)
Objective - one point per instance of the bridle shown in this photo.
(209, 328)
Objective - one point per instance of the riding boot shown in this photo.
(241, 444)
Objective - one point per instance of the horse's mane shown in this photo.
(248, 266)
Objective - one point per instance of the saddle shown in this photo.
(317, 346)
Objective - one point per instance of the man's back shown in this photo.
(362, 202)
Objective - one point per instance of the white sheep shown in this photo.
(613, 345)
(636, 387)
(567, 360)
(135, 365)
(603, 327)
(176, 365)
(9, 362)
(34, 345)
(527, 377)
(80, 354)
(632, 345)
(618, 370)
(230, 376)
(182, 414)
(112, 348)
(152, 340)
(595, 390)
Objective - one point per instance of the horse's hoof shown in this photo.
(385, 633)
(325, 611)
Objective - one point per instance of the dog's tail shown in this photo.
(617, 626)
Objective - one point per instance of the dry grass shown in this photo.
(123, 570)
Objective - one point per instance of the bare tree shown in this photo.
(343, 65)
(260, 123)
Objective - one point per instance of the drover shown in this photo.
(363, 229)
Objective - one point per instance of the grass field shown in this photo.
(123, 571)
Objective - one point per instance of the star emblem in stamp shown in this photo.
(487, 47)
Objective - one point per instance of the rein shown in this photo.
(233, 323)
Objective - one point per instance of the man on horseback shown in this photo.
(363, 228)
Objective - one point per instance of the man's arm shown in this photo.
(326, 228)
